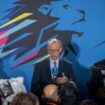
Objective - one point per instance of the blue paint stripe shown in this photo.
(18, 27)
(17, 39)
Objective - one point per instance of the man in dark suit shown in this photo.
(45, 72)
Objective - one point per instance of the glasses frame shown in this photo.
(53, 50)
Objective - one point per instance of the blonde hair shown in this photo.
(24, 99)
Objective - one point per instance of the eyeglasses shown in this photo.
(55, 51)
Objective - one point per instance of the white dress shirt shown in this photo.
(52, 64)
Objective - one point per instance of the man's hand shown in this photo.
(61, 80)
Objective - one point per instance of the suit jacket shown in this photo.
(42, 75)
(96, 82)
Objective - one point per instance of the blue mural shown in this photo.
(26, 26)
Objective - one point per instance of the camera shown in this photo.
(96, 84)
(69, 93)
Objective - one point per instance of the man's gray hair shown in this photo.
(55, 40)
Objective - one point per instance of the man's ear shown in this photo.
(60, 49)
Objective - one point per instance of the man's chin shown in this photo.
(54, 58)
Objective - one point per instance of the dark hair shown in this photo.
(87, 102)
(69, 93)
(24, 99)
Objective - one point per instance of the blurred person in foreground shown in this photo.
(50, 95)
(24, 99)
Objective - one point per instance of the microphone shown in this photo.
(55, 72)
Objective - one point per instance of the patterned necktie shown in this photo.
(54, 70)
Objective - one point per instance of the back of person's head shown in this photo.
(87, 102)
(69, 93)
(51, 91)
(24, 99)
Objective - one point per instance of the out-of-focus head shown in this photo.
(51, 91)
(54, 48)
(24, 99)
(0, 101)
(87, 102)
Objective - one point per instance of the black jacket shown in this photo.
(42, 75)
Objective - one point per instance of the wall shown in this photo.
(27, 25)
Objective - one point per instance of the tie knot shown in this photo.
(55, 64)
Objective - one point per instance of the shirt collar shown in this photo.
(52, 62)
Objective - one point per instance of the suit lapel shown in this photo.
(48, 70)
(60, 66)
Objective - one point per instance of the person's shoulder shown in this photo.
(43, 62)
(66, 61)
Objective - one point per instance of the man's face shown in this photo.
(54, 50)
